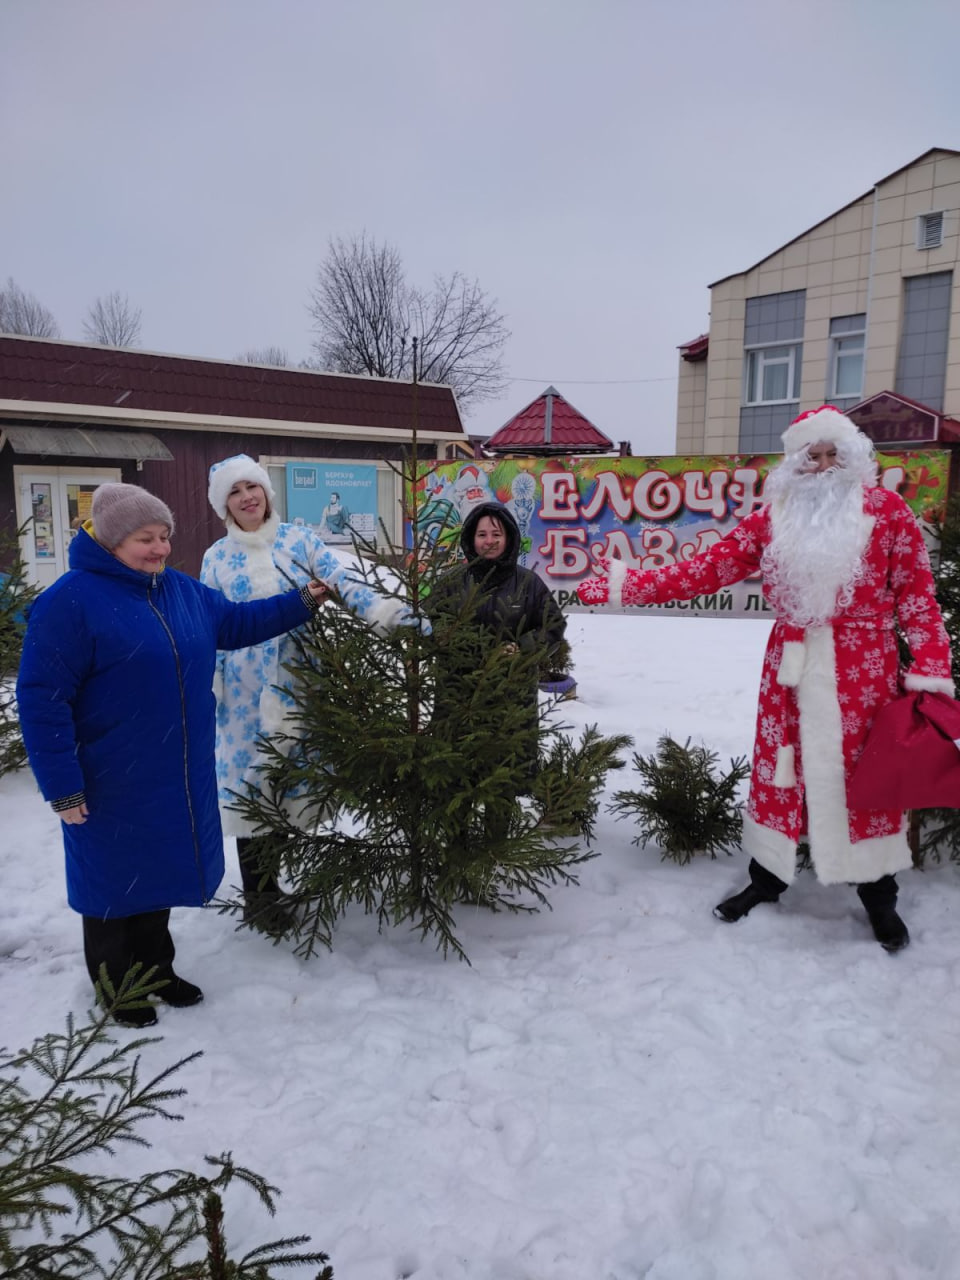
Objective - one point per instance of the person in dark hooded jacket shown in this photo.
(506, 603)
(116, 705)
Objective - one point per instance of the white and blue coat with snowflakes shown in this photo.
(253, 688)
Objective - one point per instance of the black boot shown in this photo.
(270, 912)
(119, 943)
(265, 906)
(138, 1018)
(178, 992)
(764, 886)
(254, 880)
(880, 899)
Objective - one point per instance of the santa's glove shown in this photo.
(389, 613)
(596, 590)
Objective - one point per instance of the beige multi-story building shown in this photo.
(861, 311)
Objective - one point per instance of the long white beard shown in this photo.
(819, 533)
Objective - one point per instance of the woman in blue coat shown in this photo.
(117, 712)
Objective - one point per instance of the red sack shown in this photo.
(912, 756)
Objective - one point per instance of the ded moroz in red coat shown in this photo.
(821, 688)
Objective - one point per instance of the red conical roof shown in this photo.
(548, 424)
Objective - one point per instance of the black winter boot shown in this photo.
(764, 886)
(270, 912)
(138, 1018)
(178, 992)
(880, 899)
(265, 905)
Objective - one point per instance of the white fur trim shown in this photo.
(224, 475)
(252, 538)
(791, 663)
(785, 774)
(836, 858)
(615, 580)
(827, 424)
(929, 684)
(772, 849)
(261, 570)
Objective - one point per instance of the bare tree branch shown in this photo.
(366, 315)
(265, 355)
(21, 313)
(113, 321)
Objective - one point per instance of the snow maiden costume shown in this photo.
(252, 686)
(824, 677)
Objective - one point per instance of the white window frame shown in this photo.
(923, 221)
(756, 351)
(833, 391)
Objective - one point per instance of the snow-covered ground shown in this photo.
(621, 1088)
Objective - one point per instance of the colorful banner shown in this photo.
(339, 500)
(648, 512)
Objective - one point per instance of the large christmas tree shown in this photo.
(413, 752)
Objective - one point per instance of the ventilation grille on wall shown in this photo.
(930, 231)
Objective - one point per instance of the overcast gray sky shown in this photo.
(594, 163)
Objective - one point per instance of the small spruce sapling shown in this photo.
(685, 807)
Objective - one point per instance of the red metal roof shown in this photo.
(549, 424)
(695, 349)
(889, 417)
(40, 370)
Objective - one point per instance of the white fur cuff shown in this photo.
(791, 663)
(615, 580)
(785, 774)
(929, 684)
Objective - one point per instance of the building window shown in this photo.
(772, 375)
(925, 338)
(773, 348)
(847, 341)
(930, 231)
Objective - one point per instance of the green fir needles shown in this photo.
(67, 1105)
(685, 807)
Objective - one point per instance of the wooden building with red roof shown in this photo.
(548, 425)
(73, 416)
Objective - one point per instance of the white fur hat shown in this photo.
(826, 423)
(224, 475)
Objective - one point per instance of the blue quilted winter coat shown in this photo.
(115, 699)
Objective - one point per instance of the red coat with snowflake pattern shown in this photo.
(821, 687)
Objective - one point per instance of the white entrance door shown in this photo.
(55, 501)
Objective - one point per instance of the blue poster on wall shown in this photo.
(338, 499)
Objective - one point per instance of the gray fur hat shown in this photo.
(121, 509)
